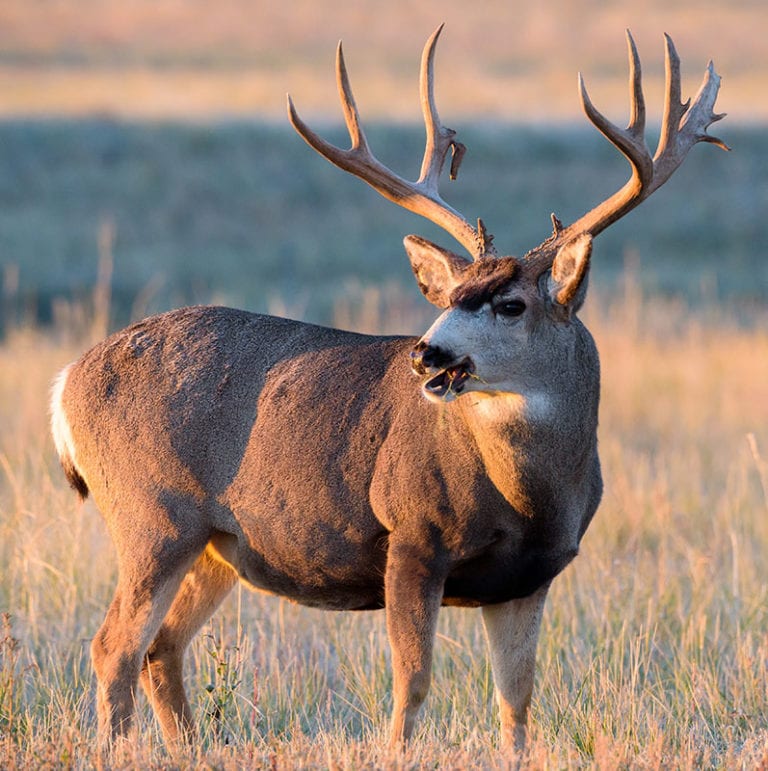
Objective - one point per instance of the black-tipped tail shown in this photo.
(76, 482)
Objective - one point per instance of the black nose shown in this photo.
(425, 357)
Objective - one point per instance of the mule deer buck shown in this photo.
(223, 445)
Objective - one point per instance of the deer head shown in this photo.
(494, 304)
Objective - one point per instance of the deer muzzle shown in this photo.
(448, 374)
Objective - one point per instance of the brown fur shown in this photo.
(482, 280)
(305, 460)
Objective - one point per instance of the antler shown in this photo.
(421, 197)
(683, 125)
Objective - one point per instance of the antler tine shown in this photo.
(421, 197)
(637, 113)
(439, 138)
(631, 140)
(344, 159)
(683, 125)
(674, 109)
(348, 105)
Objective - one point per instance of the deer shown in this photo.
(352, 472)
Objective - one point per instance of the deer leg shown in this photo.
(413, 594)
(512, 630)
(202, 590)
(149, 577)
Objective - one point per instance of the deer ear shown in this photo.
(437, 270)
(567, 283)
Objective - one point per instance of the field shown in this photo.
(247, 214)
(509, 61)
(145, 163)
(654, 651)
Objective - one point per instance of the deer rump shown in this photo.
(299, 465)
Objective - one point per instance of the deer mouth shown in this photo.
(451, 380)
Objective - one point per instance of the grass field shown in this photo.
(499, 60)
(654, 651)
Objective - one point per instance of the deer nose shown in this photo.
(425, 357)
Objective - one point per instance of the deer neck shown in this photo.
(529, 442)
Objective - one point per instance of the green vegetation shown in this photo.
(248, 215)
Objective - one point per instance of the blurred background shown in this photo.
(144, 146)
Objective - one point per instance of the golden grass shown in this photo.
(654, 651)
(498, 60)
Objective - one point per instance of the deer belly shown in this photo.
(320, 567)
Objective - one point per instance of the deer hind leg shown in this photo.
(150, 574)
(512, 630)
(413, 595)
(202, 590)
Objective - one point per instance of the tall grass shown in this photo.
(654, 649)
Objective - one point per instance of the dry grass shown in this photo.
(654, 652)
(503, 60)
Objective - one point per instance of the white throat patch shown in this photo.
(500, 406)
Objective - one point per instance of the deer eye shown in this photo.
(510, 308)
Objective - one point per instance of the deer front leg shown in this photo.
(512, 630)
(413, 588)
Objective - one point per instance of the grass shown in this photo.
(654, 649)
(503, 61)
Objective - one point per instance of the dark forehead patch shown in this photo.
(482, 280)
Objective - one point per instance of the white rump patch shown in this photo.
(62, 433)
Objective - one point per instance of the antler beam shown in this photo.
(421, 197)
